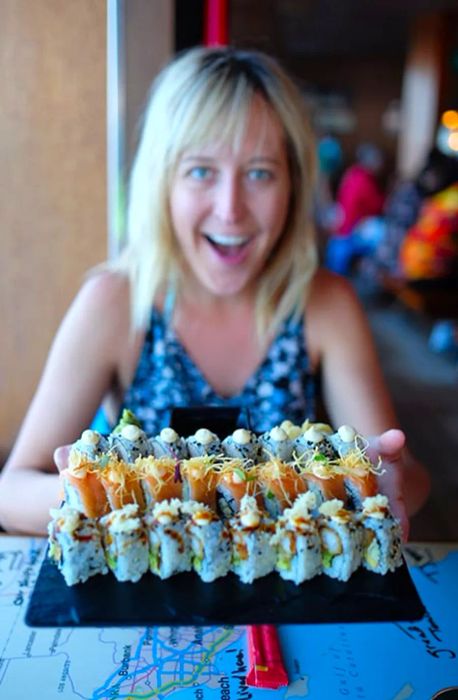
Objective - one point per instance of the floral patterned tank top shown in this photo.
(282, 387)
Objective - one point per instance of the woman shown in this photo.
(217, 297)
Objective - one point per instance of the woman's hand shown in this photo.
(60, 456)
(389, 447)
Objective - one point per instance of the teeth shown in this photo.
(227, 240)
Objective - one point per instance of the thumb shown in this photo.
(389, 446)
(61, 455)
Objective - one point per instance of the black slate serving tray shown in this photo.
(186, 600)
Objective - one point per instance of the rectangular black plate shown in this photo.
(186, 600)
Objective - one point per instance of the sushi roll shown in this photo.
(83, 488)
(210, 541)
(279, 485)
(341, 540)
(234, 481)
(122, 484)
(199, 480)
(346, 439)
(382, 549)
(169, 444)
(169, 544)
(204, 443)
(323, 478)
(160, 479)
(90, 447)
(297, 541)
(359, 477)
(242, 444)
(253, 554)
(129, 443)
(324, 428)
(311, 443)
(291, 429)
(126, 543)
(75, 545)
(277, 444)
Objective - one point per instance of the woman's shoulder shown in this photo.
(105, 292)
(102, 304)
(333, 311)
(330, 291)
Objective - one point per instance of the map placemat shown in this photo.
(383, 661)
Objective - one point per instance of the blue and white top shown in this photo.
(283, 386)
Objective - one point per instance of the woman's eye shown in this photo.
(200, 172)
(259, 174)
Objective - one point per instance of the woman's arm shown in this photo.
(339, 339)
(84, 362)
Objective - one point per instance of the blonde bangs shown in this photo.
(194, 102)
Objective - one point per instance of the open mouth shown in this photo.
(228, 246)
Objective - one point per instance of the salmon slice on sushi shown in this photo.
(199, 480)
(160, 479)
(121, 482)
(279, 485)
(83, 488)
(234, 481)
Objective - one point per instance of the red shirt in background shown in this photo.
(358, 197)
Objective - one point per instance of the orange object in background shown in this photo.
(430, 247)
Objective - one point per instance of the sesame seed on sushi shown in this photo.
(75, 545)
(89, 447)
(210, 541)
(169, 543)
(312, 442)
(253, 554)
(126, 543)
(169, 444)
(341, 540)
(276, 443)
(204, 443)
(242, 444)
(382, 536)
(297, 541)
(129, 443)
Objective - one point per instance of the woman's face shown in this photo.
(229, 207)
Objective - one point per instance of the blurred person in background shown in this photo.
(359, 197)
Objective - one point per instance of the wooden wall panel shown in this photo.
(52, 179)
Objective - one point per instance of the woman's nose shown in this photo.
(229, 199)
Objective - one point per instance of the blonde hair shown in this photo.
(205, 94)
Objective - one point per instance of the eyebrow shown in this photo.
(210, 159)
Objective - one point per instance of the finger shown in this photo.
(61, 457)
(388, 445)
(390, 483)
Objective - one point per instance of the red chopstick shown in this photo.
(264, 653)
